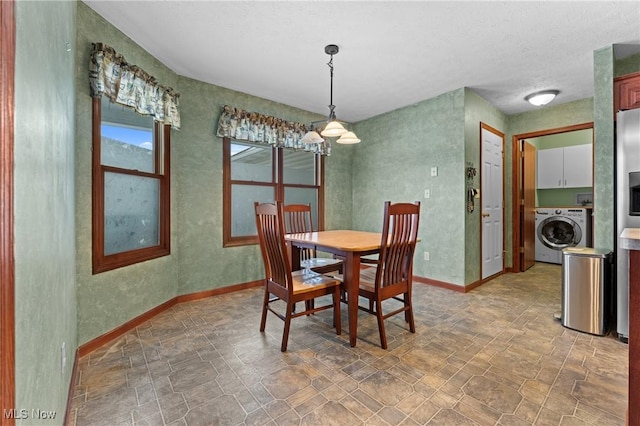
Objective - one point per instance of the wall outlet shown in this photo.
(427, 193)
(434, 171)
(426, 255)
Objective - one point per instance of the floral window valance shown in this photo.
(110, 75)
(236, 123)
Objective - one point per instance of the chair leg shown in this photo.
(409, 312)
(337, 323)
(309, 304)
(383, 335)
(265, 303)
(287, 324)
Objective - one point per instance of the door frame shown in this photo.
(498, 133)
(7, 263)
(516, 186)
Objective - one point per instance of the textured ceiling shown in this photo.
(392, 54)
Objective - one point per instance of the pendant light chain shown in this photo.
(332, 107)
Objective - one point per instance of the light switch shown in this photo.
(427, 193)
(434, 171)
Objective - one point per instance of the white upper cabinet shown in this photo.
(550, 169)
(567, 167)
(578, 166)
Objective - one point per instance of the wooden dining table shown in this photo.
(348, 245)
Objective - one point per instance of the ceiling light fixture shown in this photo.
(541, 98)
(333, 127)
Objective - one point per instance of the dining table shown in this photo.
(347, 245)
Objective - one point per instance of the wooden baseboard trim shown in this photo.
(218, 291)
(72, 385)
(473, 285)
(94, 344)
(448, 286)
(440, 284)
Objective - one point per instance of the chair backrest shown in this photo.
(399, 237)
(298, 220)
(271, 231)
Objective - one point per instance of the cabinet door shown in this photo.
(578, 166)
(627, 92)
(549, 166)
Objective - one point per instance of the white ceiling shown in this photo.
(392, 53)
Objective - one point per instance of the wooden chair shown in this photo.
(281, 282)
(298, 220)
(392, 276)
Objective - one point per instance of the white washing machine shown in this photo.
(559, 228)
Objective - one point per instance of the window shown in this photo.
(130, 187)
(259, 172)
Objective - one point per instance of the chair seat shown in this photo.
(310, 281)
(368, 279)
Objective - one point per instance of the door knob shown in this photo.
(485, 214)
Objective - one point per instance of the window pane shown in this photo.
(126, 138)
(242, 209)
(251, 162)
(304, 196)
(299, 167)
(131, 215)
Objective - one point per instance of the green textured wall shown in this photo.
(45, 291)
(549, 117)
(112, 298)
(628, 65)
(393, 162)
(477, 110)
(603, 149)
(204, 263)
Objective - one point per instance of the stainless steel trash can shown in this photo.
(586, 290)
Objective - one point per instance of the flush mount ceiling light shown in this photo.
(333, 128)
(541, 98)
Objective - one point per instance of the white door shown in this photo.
(491, 195)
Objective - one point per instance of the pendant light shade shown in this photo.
(312, 137)
(333, 129)
(348, 138)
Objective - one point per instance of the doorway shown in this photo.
(524, 185)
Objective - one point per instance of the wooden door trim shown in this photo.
(515, 183)
(503, 137)
(7, 265)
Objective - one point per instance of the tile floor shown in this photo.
(493, 356)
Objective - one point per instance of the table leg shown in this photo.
(352, 282)
(294, 253)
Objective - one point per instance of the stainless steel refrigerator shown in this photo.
(627, 205)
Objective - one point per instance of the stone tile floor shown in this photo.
(493, 356)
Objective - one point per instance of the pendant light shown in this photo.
(333, 127)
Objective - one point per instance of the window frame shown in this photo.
(277, 183)
(162, 163)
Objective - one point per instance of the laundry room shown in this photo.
(564, 193)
